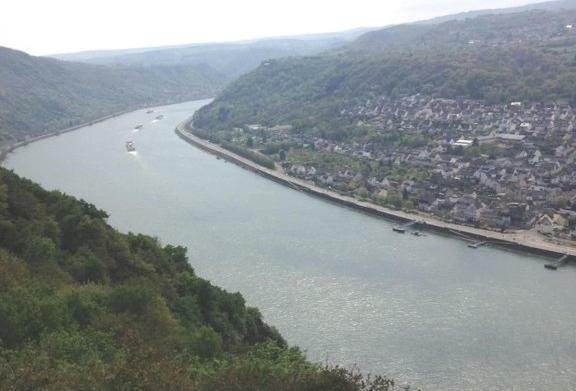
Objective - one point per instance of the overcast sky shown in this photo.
(58, 26)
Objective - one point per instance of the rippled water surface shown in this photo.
(340, 284)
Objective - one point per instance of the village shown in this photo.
(500, 167)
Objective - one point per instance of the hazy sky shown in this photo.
(57, 26)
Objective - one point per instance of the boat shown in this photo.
(400, 230)
(160, 117)
(149, 111)
(130, 147)
(417, 233)
(551, 266)
(138, 126)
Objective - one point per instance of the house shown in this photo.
(493, 218)
(519, 213)
(463, 143)
(282, 128)
(545, 225)
(298, 170)
(254, 127)
(560, 221)
(464, 211)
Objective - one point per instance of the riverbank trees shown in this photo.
(83, 306)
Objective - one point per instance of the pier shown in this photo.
(559, 263)
(477, 244)
(402, 228)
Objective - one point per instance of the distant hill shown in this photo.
(39, 95)
(497, 58)
(230, 59)
(527, 28)
(545, 6)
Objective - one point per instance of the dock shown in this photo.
(477, 244)
(402, 228)
(559, 263)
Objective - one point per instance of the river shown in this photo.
(428, 311)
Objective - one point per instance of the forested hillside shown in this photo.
(554, 5)
(39, 95)
(529, 56)
(230, 59)
(83, 306)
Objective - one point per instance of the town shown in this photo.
(495, 166)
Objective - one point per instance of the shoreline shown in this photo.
(525, 241)
(6, 151)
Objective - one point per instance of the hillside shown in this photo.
(230, 59)
(470, 121)
(544, 6)
(83, 306)
(528, 56)
(39, 95)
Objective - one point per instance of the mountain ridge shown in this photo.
(39, 95)
(229, 58)
(497, 58)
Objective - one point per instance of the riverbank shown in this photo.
(520, 240)
(12, 147)
(4, 152)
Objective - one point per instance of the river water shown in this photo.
(340, 284)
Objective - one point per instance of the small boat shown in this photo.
(130, 147)
(400, 230)
(149, 111)
(551, 267)
(160, 117)
(417, 233)
(138, 127)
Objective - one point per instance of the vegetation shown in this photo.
(41, 95)
(249, 154)
(228, 59)
(83, 306)
(528, 56)
(245, 151)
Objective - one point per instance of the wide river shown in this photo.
(340, 284)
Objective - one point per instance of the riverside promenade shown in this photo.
(528, 241)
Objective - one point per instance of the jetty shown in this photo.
(477, 244)
(559, 263)
(473, 242)
(402, 228)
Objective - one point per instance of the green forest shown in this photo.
(41, 95)
(529, 56)
(84, 307)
